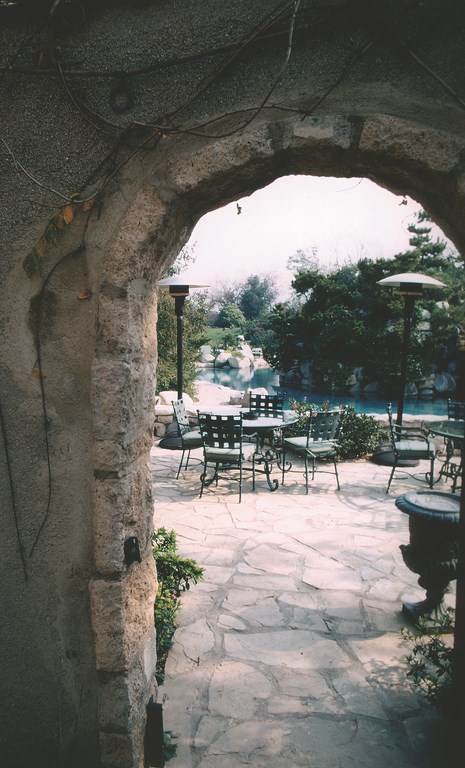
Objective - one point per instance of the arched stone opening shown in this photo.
(173, 188)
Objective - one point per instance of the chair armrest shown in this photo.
(410, 433)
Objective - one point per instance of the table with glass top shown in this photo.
(453, 431)
(268, 428)
(268, 433)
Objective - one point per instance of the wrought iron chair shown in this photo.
(267, 405)
(225, 447)
(410, 443)
(451, 469)
(322, 431)
(455, 409)
(189, 433)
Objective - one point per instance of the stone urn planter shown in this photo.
(433, 548)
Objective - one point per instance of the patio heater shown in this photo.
(410, 285)
(179, 287)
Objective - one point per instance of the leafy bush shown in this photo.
(430, 660)
(174, 576)
(361, 434)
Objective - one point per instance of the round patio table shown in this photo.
(453, 431)
(263, 427)
(271, 427)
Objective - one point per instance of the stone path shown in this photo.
(289, 652)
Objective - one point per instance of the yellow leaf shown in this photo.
(37, 373)
(68, 214)
(85, 294)
(88, 205)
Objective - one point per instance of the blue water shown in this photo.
(242, 379)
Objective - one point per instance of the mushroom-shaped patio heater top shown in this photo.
(410, 285)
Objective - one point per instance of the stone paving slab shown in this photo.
(289, 653)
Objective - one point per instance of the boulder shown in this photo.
(167, 397)
(441, 305)
(235, 361)
(444, 383)
(246, 351)
(222, 359)
(207, 357)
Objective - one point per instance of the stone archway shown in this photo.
(174, 188)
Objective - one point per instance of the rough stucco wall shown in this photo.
(69, 649)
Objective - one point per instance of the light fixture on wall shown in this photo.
(410, 285)
(179, 287)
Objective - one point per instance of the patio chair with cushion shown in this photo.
(409, 443)
(189, 433)
(317, 444)
(225, 447)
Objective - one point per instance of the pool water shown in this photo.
(242, 379)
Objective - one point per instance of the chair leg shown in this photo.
(180, 464)
(391, 476)
(202, 478)
(313, 467)
(431, 473)
(306, 474)
(188, 457)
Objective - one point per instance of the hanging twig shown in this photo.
(12, 491)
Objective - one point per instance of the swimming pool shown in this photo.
(242, 379)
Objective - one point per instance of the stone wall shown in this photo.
(123, 123)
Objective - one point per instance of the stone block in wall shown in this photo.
(127, 322)
(123, 697)
(159, 429)
(122, 616)
(165, 419)
(163, 411)
(122, 397)
(115, 455)
(120, 750)
(123, 507)
(433, 149)
(325, 130)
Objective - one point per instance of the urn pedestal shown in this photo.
(433, 548)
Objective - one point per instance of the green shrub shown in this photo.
(361, 434)
(174, 576)
(430, 660)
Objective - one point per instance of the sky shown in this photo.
(337, 220)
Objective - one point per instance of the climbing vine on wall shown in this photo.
(46, 52)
